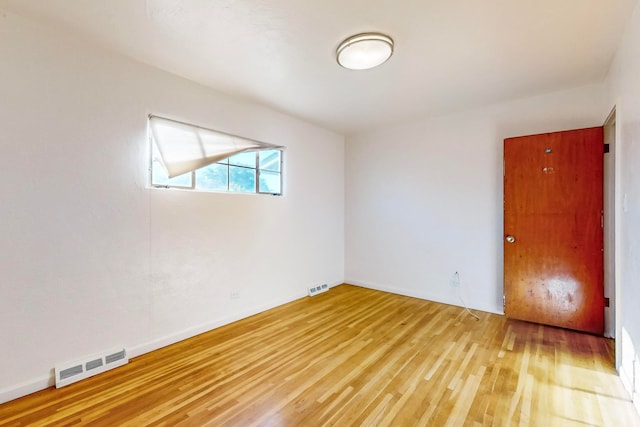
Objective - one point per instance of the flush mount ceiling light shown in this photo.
(364, 51)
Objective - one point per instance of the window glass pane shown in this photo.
(242, 180)
(244, 159)
(270, 160)
(269, 182)
(213, 177)
(159, 173)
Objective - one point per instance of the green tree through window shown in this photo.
(248, 172)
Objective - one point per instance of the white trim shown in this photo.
(27, 387)
(413, 294)
(627, 383)
(636, 385)
(627, 380)
(46, 381)
(618, 232)
(609, 227)
(205, 327)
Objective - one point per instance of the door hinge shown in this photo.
(606, 148)
(606, 302)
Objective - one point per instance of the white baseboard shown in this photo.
(196, 330)
(46, 381)
(28, 387)
(415, 294)
(627, 380)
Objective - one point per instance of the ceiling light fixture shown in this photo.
(364, 51)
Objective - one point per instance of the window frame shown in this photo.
(224, 162)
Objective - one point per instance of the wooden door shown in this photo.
(553, 242)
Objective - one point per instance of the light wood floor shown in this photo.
(353, 356)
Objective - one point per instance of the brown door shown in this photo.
(553, 238)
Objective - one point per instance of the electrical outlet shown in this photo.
(234, 294)
(455, 280)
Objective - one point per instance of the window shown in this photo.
(191, 157)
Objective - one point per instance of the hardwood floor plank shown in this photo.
(352, 356)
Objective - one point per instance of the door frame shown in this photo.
(608, 224)
(612, 221)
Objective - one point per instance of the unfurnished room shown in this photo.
(320, 213)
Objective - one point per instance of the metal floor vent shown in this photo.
(315, 290)
(71, 372)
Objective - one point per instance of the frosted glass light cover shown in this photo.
(364, 51)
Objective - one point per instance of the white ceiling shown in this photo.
(449, 54)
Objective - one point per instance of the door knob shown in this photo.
(511, 239)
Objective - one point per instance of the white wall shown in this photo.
(91, 258)
(424, 200)
(623, 87)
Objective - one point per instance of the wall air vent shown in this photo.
(93, 364)
(315, 290)
(71, 372)
(112, 358)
